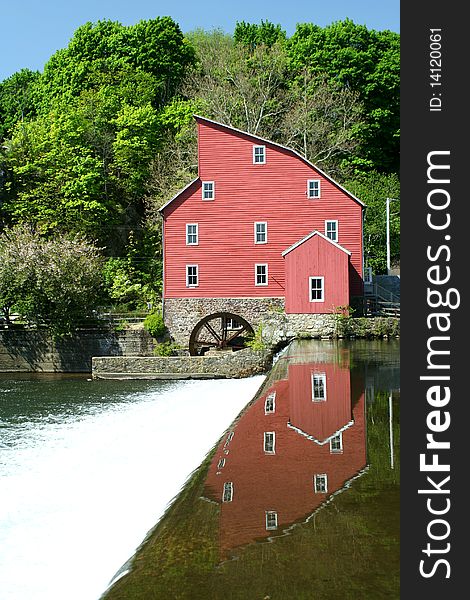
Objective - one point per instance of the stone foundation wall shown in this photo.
(182, 314)
(36, 351)
(243, 363)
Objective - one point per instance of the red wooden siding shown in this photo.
(280, 482)
(245, 193)
(316, 257)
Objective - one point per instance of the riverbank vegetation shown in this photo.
(95, 143)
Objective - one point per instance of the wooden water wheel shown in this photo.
(219, 331)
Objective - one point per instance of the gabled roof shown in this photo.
(178, 194)
(256, 138)
(310, 235)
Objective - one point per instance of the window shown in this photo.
(192, 277)
(261, 233)
(269, 442)
(208, 190)
(229, 438)
(313, 188)
(259, 155)
(227, 495)
(320, 483)
(336, 444)
(261, 274)
(270, 403)
(221, 463)
(316, 289)
(192, 237)
(318, 387)
(368, 275)
(232, 324)
(331, 230)
(271, 519)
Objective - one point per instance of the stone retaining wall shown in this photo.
(243, 363)
(36, 351)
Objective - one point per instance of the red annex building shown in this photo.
(259, 224)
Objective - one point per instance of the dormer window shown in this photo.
(259, 155)
(313, 188)
(208, 190)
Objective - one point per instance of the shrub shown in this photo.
(165, 349)
(154, 324)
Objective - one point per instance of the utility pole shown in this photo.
(388, 200)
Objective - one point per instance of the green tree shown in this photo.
(252, 35)
(364, 61)
(373, 189)
(18, 99)
(56, 282)
(156, 47)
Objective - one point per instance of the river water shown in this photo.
(88, 467)
(281, 487)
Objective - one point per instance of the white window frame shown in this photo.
(320, 477)
(221, 463)
(322, 288)
(232, 324)
(313, 191)
(368, 275)
(265, 232)
(210, 190)
(320, 377)
(338, 437)
(257, 155)
(256, 274)
(227, 493)
(196, 234)
(269, 525)
(336, 230)
(269, 442)
(271, 399)
(192, 285)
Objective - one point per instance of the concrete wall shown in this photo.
(243, 363)
(36, 351)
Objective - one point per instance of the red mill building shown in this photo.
(259, 230)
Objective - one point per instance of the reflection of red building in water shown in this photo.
(300, 442)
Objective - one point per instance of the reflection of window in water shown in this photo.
(269, 441)
(318, 387)
(229, 438)
(271, 519)
(269, 405)
(336, 443)
(221, 463)
(320, 483)
(227, 496)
